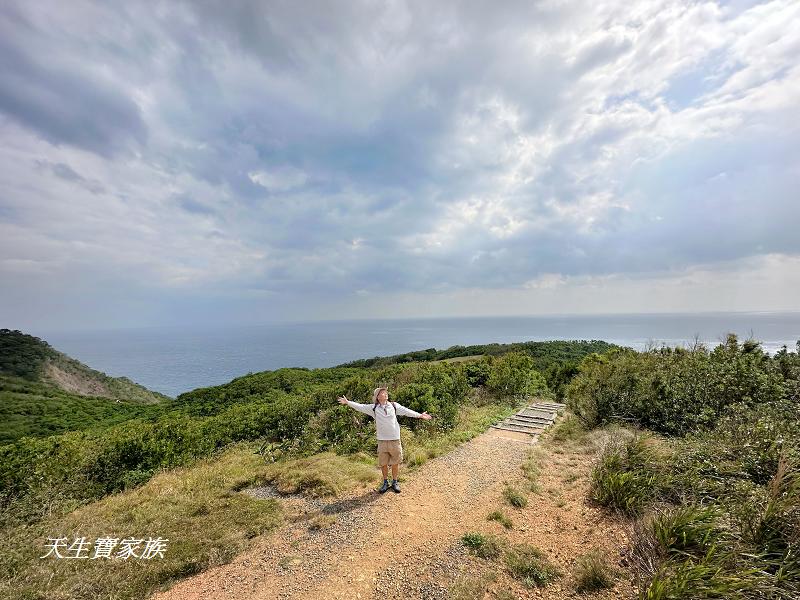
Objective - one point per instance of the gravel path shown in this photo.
(391, 545)
(408, 545)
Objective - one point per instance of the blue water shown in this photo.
(173, 360)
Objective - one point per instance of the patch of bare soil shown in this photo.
(408, 545)
(74, 382)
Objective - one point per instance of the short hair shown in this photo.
(377, 391)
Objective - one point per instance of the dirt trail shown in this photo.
(405, 545)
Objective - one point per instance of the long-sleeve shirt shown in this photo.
(386, 424)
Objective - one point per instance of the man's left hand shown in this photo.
(425, 416)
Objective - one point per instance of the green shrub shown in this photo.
(704, 579)
(735, 537)
(514, 497)
(501, 518)
(478, 372)
(513, 375)
(529, 564)
(593, 573)
(626, 478)
(687, 529)
(567, 429)
(674, 390)
(483, 545)
(420, 397)
(448, 380)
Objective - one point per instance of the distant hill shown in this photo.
(45, 392)
(33, 359)
(544, 353)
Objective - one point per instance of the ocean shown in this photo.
(172, 360)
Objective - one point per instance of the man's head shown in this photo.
(381, 394)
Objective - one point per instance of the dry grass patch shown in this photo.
(196, 509)
(324, 474)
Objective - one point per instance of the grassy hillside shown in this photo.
(704, 462)
(36, 409)
(175, 471)
(45, 392)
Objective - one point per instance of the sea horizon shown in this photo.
(173, 359)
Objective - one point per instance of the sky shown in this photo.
(184, 163)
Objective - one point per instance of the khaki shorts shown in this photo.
(390, 452)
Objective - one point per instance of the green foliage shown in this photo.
(33, 401)
(501, 518)
(544, 353)
(103, 453)
(209, 401)
(22, 355)
(477, 372)
(720, 505)
(709, 528)
(788, 364)
(513, 375)
(593, 573)
(29, 408)
(704, 579)
(674, 390)
(420, 397)
(448, 380)
(559, 374)
(89, 465)
(626, 477)
(529, 564)
(568, 429)
(514, 497)
(685, 529)
(483, 545)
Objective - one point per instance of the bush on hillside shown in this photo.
(673, 390)
(513, 376)
(478, 372)
(420, 397)
(449, 382)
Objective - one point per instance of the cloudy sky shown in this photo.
(181, 163)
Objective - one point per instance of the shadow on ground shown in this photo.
(348, 504)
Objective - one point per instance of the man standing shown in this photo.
(390, 450)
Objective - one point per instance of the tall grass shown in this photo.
(733, 539)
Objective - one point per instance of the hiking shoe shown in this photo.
(395, 487)
(385, 487)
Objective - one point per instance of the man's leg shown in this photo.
(395, 469)
(385, 470)
(383, 463)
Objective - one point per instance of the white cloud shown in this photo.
(280, 180)
(306, 152)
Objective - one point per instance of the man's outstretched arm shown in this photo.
(407, 412)
(364, 408)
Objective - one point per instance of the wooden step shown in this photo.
(532, 419)
(523, 423)
(523, 428)
(527, 412)
(542, 407)
(503, 428)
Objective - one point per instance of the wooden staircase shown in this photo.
(528, 423)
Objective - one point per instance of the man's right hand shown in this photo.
(342, 399)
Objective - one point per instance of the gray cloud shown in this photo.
(312, 151)
(63, 105)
